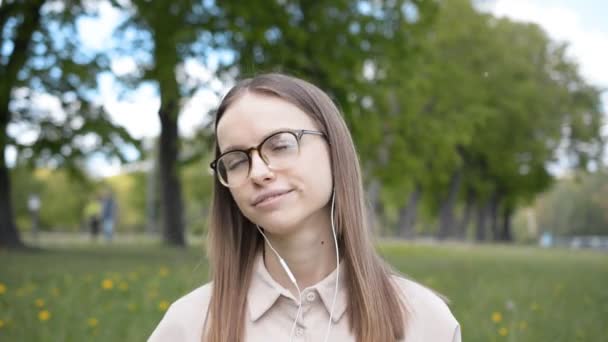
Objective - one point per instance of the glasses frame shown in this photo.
(297, 133)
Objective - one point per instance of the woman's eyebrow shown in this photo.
(239, 147)
(231, 148)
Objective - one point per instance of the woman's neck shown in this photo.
(309, 252)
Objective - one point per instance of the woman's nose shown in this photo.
(260, 171)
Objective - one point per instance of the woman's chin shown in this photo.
(277, 228)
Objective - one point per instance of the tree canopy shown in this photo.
(458, 116)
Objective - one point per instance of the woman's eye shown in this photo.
(235, 164)
(280, 146)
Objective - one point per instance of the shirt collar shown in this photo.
(264, 291)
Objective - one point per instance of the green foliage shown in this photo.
(576, 205)
(52, 91)
(492, 98)
(341, 46)
(62, 198)
(61, 212)
(130, 190)
(48, 81)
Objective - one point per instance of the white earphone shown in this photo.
(293, 278)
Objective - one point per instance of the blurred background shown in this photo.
(481, 127)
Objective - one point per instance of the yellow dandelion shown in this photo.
(44, 315)
(107, 284)
(2, 289)
(163, 305)
(92, 322)
(123, 286)
(496, 317)
(503, 331)
(163, 272)
(39, 302)
(2, 324)
(523, 325)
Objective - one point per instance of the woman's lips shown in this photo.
(272, 201)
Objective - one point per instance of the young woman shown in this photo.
(289, 244)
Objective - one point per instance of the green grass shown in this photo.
(497, 293)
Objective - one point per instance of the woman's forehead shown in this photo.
(250, 118)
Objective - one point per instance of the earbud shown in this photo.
(288, 271)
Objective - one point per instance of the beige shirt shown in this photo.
(272, 310)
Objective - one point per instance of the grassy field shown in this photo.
(80, 292)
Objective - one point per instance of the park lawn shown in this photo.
(119, 293)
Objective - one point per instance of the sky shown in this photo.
(581, 23)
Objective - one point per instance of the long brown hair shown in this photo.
(375, 310)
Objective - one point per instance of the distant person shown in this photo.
(289, 244)
(546, 240)
(93, 217)
(108, 215)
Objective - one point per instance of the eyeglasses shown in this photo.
(278, 151)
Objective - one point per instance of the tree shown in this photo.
(575, 205)
(47, 87)
(166, 35)
(482, 108)
(536, 93)
(435, 98)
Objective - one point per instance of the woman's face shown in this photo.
(306, 183)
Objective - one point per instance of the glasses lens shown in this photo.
(280, 150)
(233, 168)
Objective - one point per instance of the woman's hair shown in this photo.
(375, 310)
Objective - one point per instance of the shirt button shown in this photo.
(311, 296)
(299, 332)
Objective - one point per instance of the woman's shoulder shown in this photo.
(184, 319)
(196, 299)
(421, 298)
(428, 311)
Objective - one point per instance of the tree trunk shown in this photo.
(407, 214)
(482, 221)
(171, 191)
(166, 61)
(506, 234)
(461, 232)
(9, 235)
(447, 223)
(152, 205)
(494, 219)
